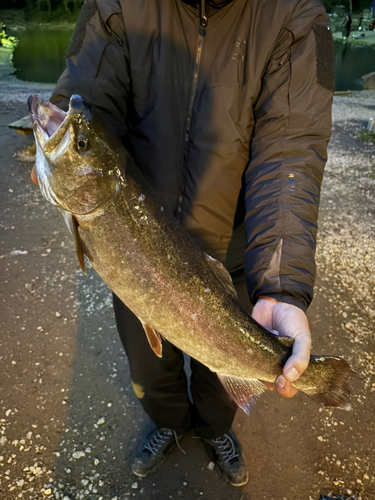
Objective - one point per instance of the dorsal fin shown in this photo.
(154, 339)
(223, 275)
(244, 392)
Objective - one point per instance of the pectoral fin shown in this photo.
(223, 275)
(72, 224)
(79, 245)
(244, 392)
(154, 339)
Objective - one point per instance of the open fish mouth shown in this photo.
(46, 118)
(50, 124)
(57, 137)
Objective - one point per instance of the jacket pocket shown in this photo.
(115, 28)
(285, 58)
(239, 55)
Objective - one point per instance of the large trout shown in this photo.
(176, 290)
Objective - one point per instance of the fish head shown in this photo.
(77, 168)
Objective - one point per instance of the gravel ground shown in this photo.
(69, 420)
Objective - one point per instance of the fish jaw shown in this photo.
(70, 164)
(45, 121)
(45, 117)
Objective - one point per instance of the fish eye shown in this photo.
(82, 143)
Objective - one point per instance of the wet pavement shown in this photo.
(69, 420)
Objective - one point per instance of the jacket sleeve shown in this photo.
(98, 63)
(288, 153)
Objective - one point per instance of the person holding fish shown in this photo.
(225, 107)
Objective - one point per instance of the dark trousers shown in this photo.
(161, 386)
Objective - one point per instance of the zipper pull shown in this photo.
(202, 14)
(285, 57)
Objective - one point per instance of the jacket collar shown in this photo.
(211, 5)
(216, 4)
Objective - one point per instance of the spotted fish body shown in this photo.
(177, 291)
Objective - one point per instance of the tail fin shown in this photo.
(331, 376)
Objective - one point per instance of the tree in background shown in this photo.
(34, 6)
(64, 6)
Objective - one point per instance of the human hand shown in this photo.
(34, 177)
(291, 321)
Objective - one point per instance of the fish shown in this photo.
(177, 291)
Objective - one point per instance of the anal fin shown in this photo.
(154, 339)
(244, 392)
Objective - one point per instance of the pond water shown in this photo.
(40, 54)
(40, 57)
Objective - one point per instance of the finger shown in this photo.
(34, 177)
(285, 388)
(299, 360)
(270, 386)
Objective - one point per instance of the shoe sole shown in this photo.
(238, 485)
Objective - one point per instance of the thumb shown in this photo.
(299, 360)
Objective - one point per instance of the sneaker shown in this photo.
(152, 452)
(226, 451)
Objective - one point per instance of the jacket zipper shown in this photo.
(189, 115)
(194, 87)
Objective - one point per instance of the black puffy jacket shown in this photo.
(227, 111)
